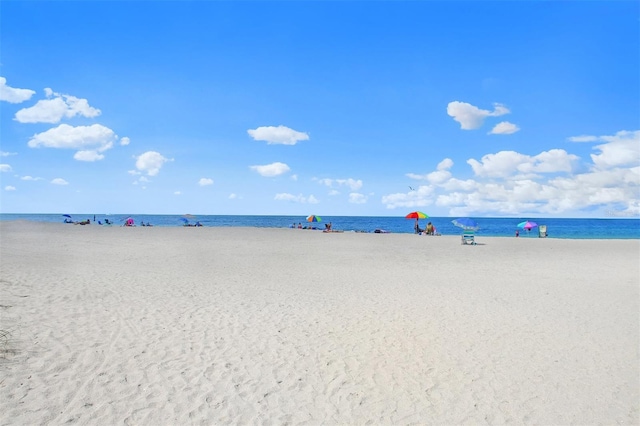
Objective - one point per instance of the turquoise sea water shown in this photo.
(628, 228)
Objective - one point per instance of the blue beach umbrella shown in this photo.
(465, 223)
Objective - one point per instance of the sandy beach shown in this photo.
(212, 326)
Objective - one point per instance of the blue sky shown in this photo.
(331, 108)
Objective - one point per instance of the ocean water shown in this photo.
(615, 228)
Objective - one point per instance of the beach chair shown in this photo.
(468, 237)
(542, 231)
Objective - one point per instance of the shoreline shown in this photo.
(479, 234)
(257, 325)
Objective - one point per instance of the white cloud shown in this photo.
(125, 141)
(55, 109)
(177, 193)
(277, 135)
(296, 198)
(13, 96)
(511, 183)
(7, 154)
(89, 156)
(420, 197)
(233, 196)
(621, 149)
(471, 117)
(271, 170)
(59, 181)
(9, 188)
(353, 184)
(504, 128)
(445, 164)
(507, 163)
(4, 168)
(357, 198)
(205, 181)
(583, 138)
(440, 175)
(30, 178)
(150, 162)
(90, 141)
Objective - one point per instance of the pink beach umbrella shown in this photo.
(527, 225)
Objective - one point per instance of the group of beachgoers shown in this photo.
(128, 222)
(193, 224)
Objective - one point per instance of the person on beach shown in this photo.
(430, 229)
(517, 233)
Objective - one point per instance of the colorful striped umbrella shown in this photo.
(314, 218)
(416, 215)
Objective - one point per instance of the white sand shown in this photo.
(175, 326)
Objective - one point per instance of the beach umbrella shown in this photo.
(314, 218)
(67, 215)
(528, 225)
(416, 215)
(465, 223)
(184, 220)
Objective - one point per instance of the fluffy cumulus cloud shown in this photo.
(89, 141)
(506, 163)
(301, 199)
(357, 198)
(125, 141)
(150, 162)
(352, 184)
(420, 197)
(512, 183)
(504, 128)
(471, 117)
(271, 170)
(205, 182)
(30, 178)
(277, 135)
(55, 108)
(4, 168)
(621, 149)
(441, 174)
(9, 188)
(59, 181)
(12, 95)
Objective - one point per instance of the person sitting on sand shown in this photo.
(416, 228)
(430, 229)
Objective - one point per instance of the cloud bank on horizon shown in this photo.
(239, 147)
